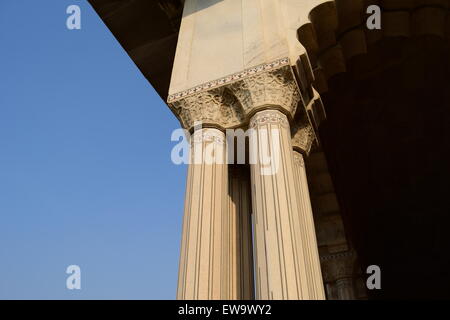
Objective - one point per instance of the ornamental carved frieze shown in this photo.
(267, 117)
(303, 137)
(230, 101)
(208, 135)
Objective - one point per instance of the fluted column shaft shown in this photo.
(204, 261)
(306, 230)
(240, 231)
(280, 261)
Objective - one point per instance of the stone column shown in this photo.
(280, 261)
(204, 261)
(339, 273)
(306, 231)
(240, 231)
(263, 96)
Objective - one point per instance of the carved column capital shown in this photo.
(276, 87)
(338, 266)
(303, 137)
(218, 107)
(231, 101)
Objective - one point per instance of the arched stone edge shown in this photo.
(337, 31)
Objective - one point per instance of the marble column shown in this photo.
(306, 230)
(263, 97)
(204, 261)
(240, 230)
(279, 256)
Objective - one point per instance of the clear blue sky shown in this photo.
(85, 170)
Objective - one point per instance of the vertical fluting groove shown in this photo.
(291, 206)
(188, 242)
(230, 273)
(199, 242)
(205, 257)
(299, 257)
(239, 231)
(283, 251)
(292, 231)
(240, 253)
(265, 225)
(313, 248)
(225, 252)
(260, 205)
(279, 229)
(302, 232)
(231, 233)
(310, 233)
(247, 237)
(245, 253)
(184, 243)
(307, 230)
(181, 266)
(234, 234)
(244, 239)
(256, 241)
(188, 232)
(211, 239)
(320, 291)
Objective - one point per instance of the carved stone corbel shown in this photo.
(303, 137)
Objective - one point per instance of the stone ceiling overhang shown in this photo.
(148, 31)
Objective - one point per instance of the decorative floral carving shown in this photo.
(298, 158)
(217, 106)
(229, 79)
(208, 135)
(303, 137)
(275, 87)
(229, 101)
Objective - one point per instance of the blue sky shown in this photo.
(85, 170)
